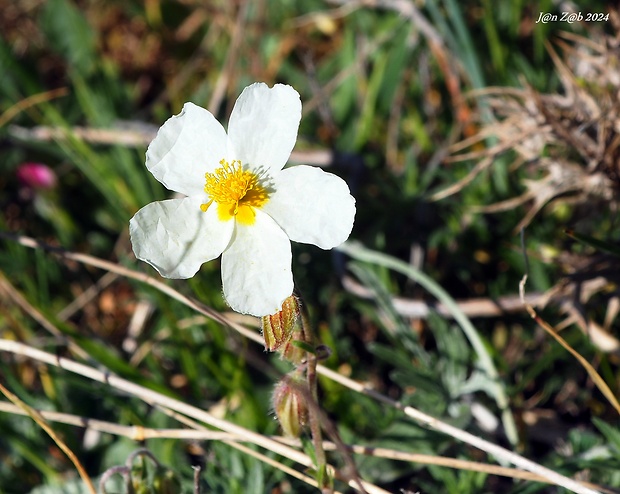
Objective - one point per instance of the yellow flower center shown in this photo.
(236, 191)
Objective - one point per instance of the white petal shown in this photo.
(312, 206)
(176, 237)
(263, 125)
(186, 147)
(256, 268)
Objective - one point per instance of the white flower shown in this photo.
(240, 202)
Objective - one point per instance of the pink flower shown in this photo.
(36, 175)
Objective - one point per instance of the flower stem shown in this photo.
(313, 409)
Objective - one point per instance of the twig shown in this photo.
(23, 304)
(117, 136)
(232, 442)
(140, 136)
(133, 432)
(154, 398)
(463, 436)
(33, 100)
(473, 307)
(135, 275)
(197, 471)
(489, 156)
(598, 380)
(86, 296)
(416, 415)
(203, 434)
(36, 416)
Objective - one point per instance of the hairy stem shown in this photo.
(313, 415)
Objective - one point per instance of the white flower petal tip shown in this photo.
(263, 125)
(256, 268)
(240, 203)
(186, 146)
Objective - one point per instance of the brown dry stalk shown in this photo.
(157, 399)
(41, 422)
(201, 433)
(574, 129)
(7, 288)
(150, 396)
(233, 443)
(30, 101)
(598, 380)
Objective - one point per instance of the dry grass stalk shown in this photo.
(155, 399)
(570, 142)
(568, 147)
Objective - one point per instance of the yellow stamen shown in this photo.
(236, 191)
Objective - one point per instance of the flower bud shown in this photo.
(294, 353)
(36, 175)
(279, 327)
(290, 405)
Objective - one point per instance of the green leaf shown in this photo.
(77, 486)
(16, 81)
(69, 34)
(393, 323)
(304, 346)
(367, 124)
(594, 242)
(361, 253)
(612, 434)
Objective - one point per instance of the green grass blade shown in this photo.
(594, 242)
(361, 253)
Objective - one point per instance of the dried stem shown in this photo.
(41, 422)
(200, 433)
(463, 436)
(197, 470)
(497, 451)
(594, 375)
(159, 400)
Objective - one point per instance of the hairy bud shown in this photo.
(279, 327)
(290, 405)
